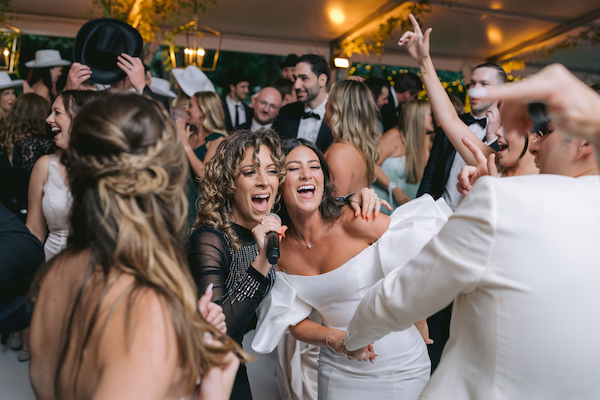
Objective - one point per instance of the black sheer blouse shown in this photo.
(237, 286)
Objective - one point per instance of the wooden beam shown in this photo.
(388, 6)
(550, 34)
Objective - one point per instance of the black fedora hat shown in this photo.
(290, 61)
(100, 41)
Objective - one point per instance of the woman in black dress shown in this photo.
(227, 247)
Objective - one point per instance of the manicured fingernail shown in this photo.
(368, 217)
(364, 216)
(209, 288)
(356, 214)
(376, 215)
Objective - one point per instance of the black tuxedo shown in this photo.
(389, 113)
(439, 164)
(289, 120)
(248, 125)
(249, 113)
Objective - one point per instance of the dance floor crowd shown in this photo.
(384, 246)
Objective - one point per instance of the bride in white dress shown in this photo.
(328, 263)
(49, 194)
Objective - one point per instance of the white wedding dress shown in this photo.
(56, 206)
(402, 366)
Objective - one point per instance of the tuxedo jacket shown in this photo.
(389, 113)
(248, 125)
(439, 164)
(519, 259)
(249, 113)
(289, 121)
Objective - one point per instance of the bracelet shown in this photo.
(327, 339)
(392, 185)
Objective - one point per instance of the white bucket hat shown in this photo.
(47, 58)
(6, 82)
(162, 87)
(191, 80)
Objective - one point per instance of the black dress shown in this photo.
(14, 177)
(237, 286)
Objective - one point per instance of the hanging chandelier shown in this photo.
(10, 46)
(195, 52)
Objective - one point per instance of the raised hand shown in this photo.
(78, 73)
(493, 116)
(469, 175)
(416, 42)
(134, 68)
(212, 312)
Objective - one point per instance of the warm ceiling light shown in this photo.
(496, 5)
(337, 16)
(341, 62)
(494, 35)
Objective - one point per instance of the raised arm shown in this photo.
(417, 45)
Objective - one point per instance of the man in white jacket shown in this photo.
(519, 259)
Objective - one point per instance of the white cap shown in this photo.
(191, 80)
(47, 58)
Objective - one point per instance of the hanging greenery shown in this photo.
(375, 41)
(590, 35)
(146, 15)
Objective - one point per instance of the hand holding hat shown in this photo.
(134, 68)
(78, 73)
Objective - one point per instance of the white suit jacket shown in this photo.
(520, 259)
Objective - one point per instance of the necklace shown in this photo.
(311, 242)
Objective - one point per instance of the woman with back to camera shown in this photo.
(204, 132)
(327, 263)
(116, 313)
(352, 116)
(22, 142)
(404, 151)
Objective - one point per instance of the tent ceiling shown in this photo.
(465, 31)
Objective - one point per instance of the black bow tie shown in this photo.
(310, 114)
(470, 120)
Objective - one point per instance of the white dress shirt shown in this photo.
(231, 106)
(254, 126)
(519, 259)
(451, 195)
(309, 127)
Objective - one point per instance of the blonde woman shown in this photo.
(201, 133)
(116, 314)
(352, 116)
(404, 154)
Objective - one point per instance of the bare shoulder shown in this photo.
(41, 166)
(342, 152)
(370, 230)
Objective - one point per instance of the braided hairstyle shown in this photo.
(127, 170)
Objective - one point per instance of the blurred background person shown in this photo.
(201, 133)
(286, 88)
(404, 151)
(352, 116)
(23, 141)
(406, 87)
(7, 94)
(380, 88)
(237, 86)
(266, 108)
(287, 66)
(45, 70)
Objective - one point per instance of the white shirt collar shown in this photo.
(320, 109)
(254, 126)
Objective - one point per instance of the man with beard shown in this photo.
(266, 108)
(304, 118)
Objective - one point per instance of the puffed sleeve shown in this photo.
(412, 226)
(453, 262)
(280, 309)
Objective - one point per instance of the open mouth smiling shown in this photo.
(261, 201)
(306, 191)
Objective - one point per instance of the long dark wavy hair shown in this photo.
(27, 117)
(127, 171)
(331, 206)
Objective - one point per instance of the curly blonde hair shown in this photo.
(224, 167)
(127, 171)
(27, 117)
(354, 120)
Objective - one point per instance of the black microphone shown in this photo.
(272, 244)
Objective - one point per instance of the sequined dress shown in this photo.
(237, 286)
